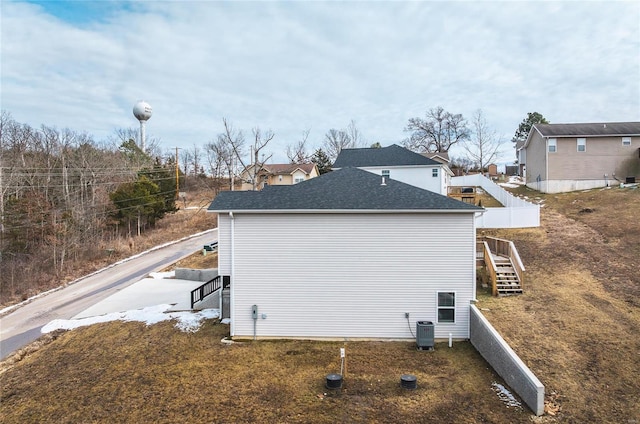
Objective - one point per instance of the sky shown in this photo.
(291, 66)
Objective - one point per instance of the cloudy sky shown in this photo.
(289, 66)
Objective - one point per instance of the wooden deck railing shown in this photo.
(491, 268)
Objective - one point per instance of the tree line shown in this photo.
(64, 197)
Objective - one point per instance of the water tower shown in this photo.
(142, 111)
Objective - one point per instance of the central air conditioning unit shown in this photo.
(424, 335)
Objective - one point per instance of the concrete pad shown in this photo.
(144, 293)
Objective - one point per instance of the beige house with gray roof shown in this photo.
(278, 174)
(559, 158)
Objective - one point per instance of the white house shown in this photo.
(399, 164)
(345, 255)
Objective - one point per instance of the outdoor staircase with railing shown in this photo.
(503, 265)
(507, 280)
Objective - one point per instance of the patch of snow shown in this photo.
(162, 275)
(226, 321)
(505, 395)
(509, 185)
(186, 321)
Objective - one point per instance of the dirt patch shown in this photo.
(198, 260)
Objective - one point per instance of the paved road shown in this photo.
(22, 326)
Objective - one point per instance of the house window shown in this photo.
(626, 141)
(386, 173)
(553, 145)
(582, 144)
(279, 177)
(434, 172)
(298, 180)
(446, 307)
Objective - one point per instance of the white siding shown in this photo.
(350, 275)
(417, 176)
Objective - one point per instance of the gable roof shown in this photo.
(602, 129)
(597, 129)
(288, 168)
(442, 157)
(393, 155)
(348, 189)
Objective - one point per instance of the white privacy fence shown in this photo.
(517, 213)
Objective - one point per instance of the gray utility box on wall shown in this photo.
(424, 335)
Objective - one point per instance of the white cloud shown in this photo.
(289, 66)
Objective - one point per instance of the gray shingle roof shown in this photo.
(345, 189)
(393, 155)
(601, 129)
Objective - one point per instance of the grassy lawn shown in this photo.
(128, 372)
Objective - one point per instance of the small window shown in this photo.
(552, 145)
(298, 180)
(279, 177)
(582, 144)
(386, 173)
(446, 307)
(626, 141)
(434, 172)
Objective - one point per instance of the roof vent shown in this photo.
(604, 125)
(383, 182)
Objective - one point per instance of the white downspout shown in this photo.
(231, 277)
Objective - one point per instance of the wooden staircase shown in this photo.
(507, 280)
(503, 264)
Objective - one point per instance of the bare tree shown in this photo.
(236, 141)
(298, 152)
(437, 132)
(195, 159)
(355, 135)
(346, 138)
(220, 158)
(186, 160)
(484, 147)
(260, 141)
(335, 141)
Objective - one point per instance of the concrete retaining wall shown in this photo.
(203, 275)
(505, 362)
(210, 302)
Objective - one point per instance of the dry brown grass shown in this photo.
(576, 327)
(127, 372)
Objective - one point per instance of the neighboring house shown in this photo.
(567, 157)
(345, 255)
(442, 157)
(278, 174)
(399, 164)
